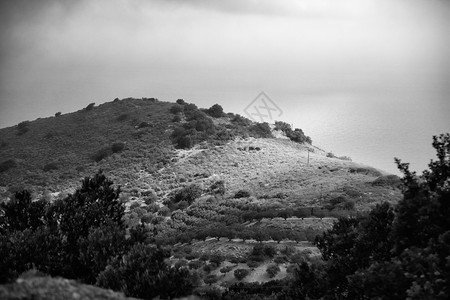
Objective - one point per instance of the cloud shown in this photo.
(53, 50)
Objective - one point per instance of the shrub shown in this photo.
(272, 270)
(143, 125)
(117, 147)
(195, 264)
(215, 111)
(164, 211)
(261, 250)
(122, 117)
(50, 166)
(270, 251)
(299, 137)
(240, 120)
(102, 154)
(242, 194)
(58, 114)
(150, 197)
(347, 158)
(208, 292)
(365, 171)
(89, 107)
(226, 269)
(280, 259)
(176, 109)
(7, 164)
(189, 194)
(143, 273)
(261, 130)
(240, 274)
(387, 180)
(218, 188)
(253, 264)
(283, 126)
(204, 257)
(23, 127)
(180, 102)
(210, 279)
(216, 259)
(176, 119)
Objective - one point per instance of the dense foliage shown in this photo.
(393, 253)
(297, 135)
(84, 237)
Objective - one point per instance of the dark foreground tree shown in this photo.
(400, 253)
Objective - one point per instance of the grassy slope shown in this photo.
(279, 167)
(72, 139)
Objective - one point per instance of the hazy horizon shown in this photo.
(353, 74)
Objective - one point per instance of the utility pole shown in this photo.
(308, 157)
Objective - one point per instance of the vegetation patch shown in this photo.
(7, 165)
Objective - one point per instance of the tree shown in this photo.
(394, 254)
(240, 274)
(215, 111)
(137, 273)
(272, 270)
(188, 194)
(210, 279)
(22, 213)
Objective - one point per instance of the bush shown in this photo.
(89, 107)
(180, 102)
(261, 130)
(283, 126)
(118, 147)
(195, 264)
(226, 269)
(188, 194)
(242, 194)
(240, 274)
(210, 279)
(387, 180)
(50, 166)
(102, 154)
(299, 137)
(122, 117)
(272, 270)
(365, 171)
(176, 119)
(215, 111)
(7, 164)
(143, 273)
(176, 109)
(253, 264)
(58, 114)
(143, 125)
(23, 127)
(218, 188)
(216, 259)
(280, 259)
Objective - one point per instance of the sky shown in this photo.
(330, 66)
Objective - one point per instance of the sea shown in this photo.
(373, 129)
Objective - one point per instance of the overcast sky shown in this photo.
(62, 55)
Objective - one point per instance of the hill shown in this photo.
(136, 142)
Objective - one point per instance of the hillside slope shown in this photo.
(278, 168)
(132, 141)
